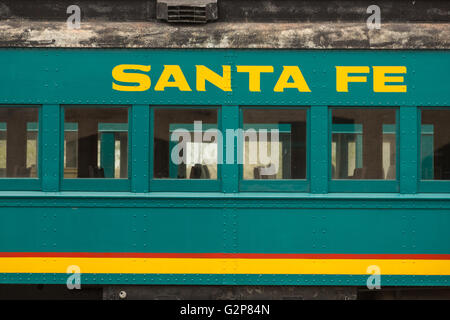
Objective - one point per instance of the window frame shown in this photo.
(280, 185)
(94, 184)
(183, 185)
(287, 186)
(428, 186)
(364, 185)
(26, 184)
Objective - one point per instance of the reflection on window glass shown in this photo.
(363, 144)
(95, 143)
(18, 142)
(435, 145)
(185, 145)
(275, 144)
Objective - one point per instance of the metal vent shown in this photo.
(188, 11)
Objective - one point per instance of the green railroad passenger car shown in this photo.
(254, 165)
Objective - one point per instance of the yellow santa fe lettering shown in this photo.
(342, 77)
(298, 83)
(119, 74)
(179, 81)
(222, 82)
(380, 79)
(254, 75)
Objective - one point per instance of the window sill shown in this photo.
(89, 184)
(20, 184)
(362, 186)
(274, 185)
(434, 186)
(185, 185)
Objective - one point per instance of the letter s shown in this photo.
(119, 75)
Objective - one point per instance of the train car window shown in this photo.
(95, 142)
(363, 144)
(435, 145)
(274, 144)
(185, 143)
(19, 142)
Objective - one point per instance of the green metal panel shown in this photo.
(95, 184)
(253, 223)
(50, 159)
(319, 150)
(70, 74)
(409, 137)
(434, 186)
(263, 224)
(151, 146)
(218, 279)
(360, 185)
(20, 184)
(185, 185)
(282, 185)
(230, 171)
(140, 148)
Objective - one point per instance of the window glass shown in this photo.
(435, 145)
(19, 142)
(95, 142)
(274, 144)
(185, 143)
(363, 144)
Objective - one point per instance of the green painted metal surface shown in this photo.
(70, 76)
(194, 226)
(217, 279)
(408, 149)
(230, 171)
(140, 148)
(319, 155)
(140, 214)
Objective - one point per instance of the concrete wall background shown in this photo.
(236, 10)
(284, 24)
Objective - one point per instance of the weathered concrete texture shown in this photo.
(236, 10)
(56, 10)
(26, 33)
(329, 10)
